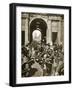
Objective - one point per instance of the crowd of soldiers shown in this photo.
(41, 59)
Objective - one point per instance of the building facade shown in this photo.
(51, 27)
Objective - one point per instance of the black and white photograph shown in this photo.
(40, 44)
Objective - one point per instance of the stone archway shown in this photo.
(40, 25)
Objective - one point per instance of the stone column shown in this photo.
(23, 31)
(49, 33)
(59, 32)
(62, 39)
(62, 33)
(26, 31)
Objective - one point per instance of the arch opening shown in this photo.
(38, 26)
(36, 35)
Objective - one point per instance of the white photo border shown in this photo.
(19, 79)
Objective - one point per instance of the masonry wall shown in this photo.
(55, 23)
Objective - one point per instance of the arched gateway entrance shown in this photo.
(38, 29)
